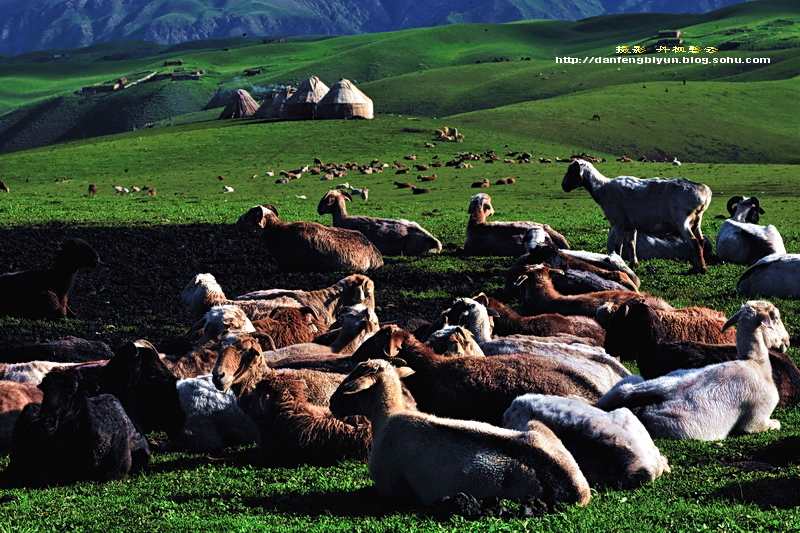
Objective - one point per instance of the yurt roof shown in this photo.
(310, 91)
(241, 104)
(344, 92)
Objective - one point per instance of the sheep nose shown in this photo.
(220, 380)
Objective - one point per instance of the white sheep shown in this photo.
(613, 449)
(219, 320)
(420, 456)
(712, 402)
(773, 276)
(631, 204)
(741, 240)
(390, 236)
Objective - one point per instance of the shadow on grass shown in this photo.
(782, 493)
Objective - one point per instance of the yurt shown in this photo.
(344, 100)
(240, 105)
(274, 108)
(301, 105)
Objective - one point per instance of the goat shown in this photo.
(741, 240)
(634, 327)
(540, 296)
(390, 236)
(712, 402)
(290, 407)
(773, 276)
(418, 456)
(499, 238)
(308, 246)
(73, 435)
(45, 293)
(479, 388)
(612, 449)
(632, 204)
(509, 322)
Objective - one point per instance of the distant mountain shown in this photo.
(28, 25)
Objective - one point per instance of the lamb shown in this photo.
(71, 436)
(509, 322)
(291, 409)
(548, 253)
(479, 388)
(634, 327)
(741, 240)
(45, 293)
(612, 449)
(417, 456)
(715, 401)
(499, 238)
(773, 276)
(390, 236)
(632, 204)
(204, 291)
(541, 297)
(308, 246)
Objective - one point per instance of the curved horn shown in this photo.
(757, 205)
(733, 319)
(732, 204)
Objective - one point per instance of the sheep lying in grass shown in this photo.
(45, 293)
(67, 350)
(741, 240)
(390, 236)
(712, 402)
(417, 456)
(308, 246)
(773, 276)
(612, 449)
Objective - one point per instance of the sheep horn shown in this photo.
(757, 205)
(732, 204)
(520, 280)
(734, 319)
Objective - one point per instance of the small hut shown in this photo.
(302, 104)
(344, 100)
(271, 108)
(240, 105)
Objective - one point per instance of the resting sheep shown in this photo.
(45, 293)
(417, 456)
(499, 238)
(712, 402)
(773, 276)
(540, 296)
(390, 236)
(741, 240)
(632, 204)
(308, 246)
(612, 449)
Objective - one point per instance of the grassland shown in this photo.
(734, 128)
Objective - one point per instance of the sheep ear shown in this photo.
(359, 384)
(403, 371)
(347, 196)
(733, 320)
(556, 271)
(482, 299)
(491, 312)
(397, 361)
(520, 280)
(272, 208)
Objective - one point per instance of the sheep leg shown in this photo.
(692, 233)
(630, 238)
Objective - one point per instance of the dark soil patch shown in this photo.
(138, 295)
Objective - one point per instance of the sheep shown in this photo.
(499, 238)
(670, 246)
(509, 322)
(73, 436)
(326, 303)
(541, 297)
(67, 350)
(92, 189)
(45, 293)
(419, 190)
(776, 275)
(219, 320)
(612, 449)
(31, 372)
(363, 193)
(480, 388)
(633, 327)
(432, 177)
(308, 246)
(481, 184)
(214, 419)
(632, 204)
(421, 457)
(454, 340)
(548, 253)
(610, 261)
(741, 240)
(291, 325)
(291, 409)
(715, 401)
(14, 396)
(390, 236)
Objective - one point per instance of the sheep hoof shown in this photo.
(696, 270)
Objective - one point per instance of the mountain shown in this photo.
(62, 24)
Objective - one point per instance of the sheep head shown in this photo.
(357, 289)
(574, 176)
(201, 293)
(63, 396)
(745, 209)
(385, 344)
(331, 198)
(346, 400)
(257, 218)
(480, 207)
(761, 318)
(239, 362)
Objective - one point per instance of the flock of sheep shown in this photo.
(525, 403)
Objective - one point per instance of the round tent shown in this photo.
(240, 105)
(301, 105)
(344, 100)
(272, 108)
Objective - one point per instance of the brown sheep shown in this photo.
(480, 184)
(291, 325)
(419, 190)
(540, 296)
(432, 177)
(634, 327)
(403, 185)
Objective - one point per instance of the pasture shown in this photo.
(155, 244)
